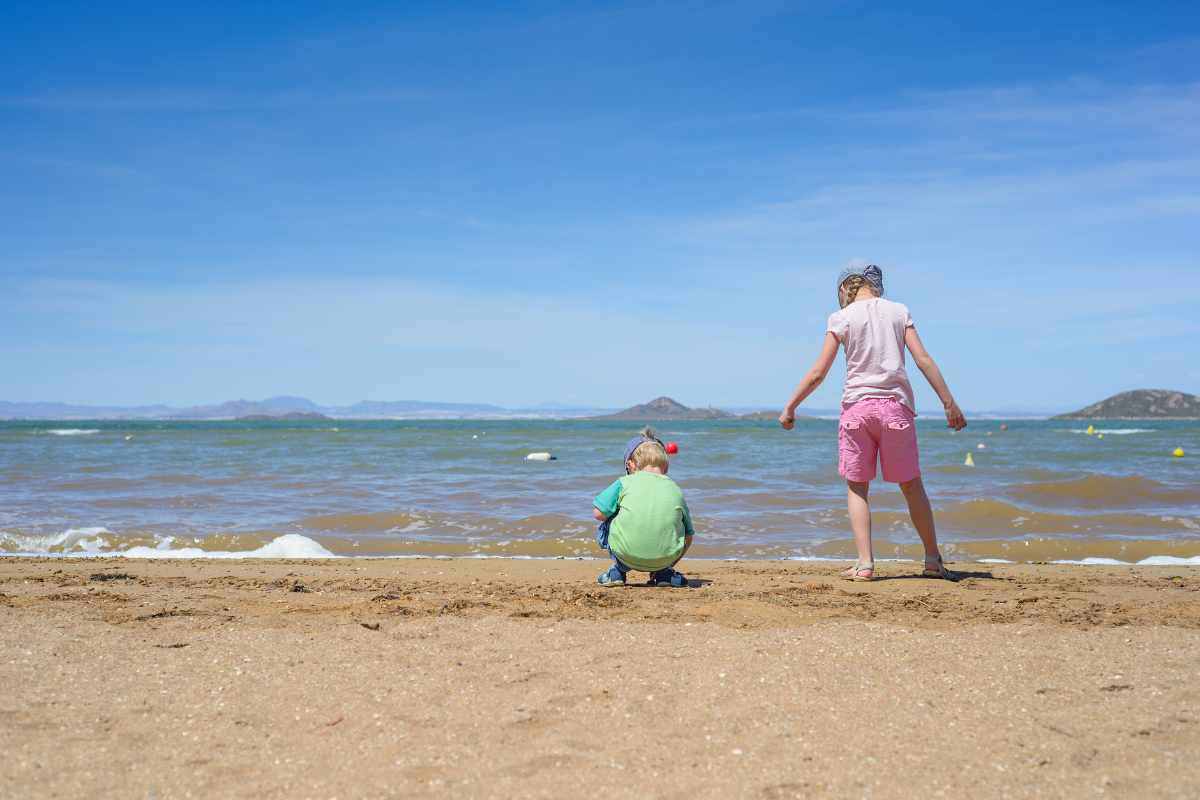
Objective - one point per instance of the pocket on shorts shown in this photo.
(851, 424)
(899, 425)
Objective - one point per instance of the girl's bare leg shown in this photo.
(860, 519)
(922, 516)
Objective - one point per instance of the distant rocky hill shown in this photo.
(1142, 404)
(665, 408)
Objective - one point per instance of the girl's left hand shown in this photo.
(788, 421)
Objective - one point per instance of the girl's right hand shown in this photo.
(787, 420)
(954, 417)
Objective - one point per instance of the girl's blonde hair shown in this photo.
(649, 453)
(849, 289)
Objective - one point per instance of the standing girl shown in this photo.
(878, 414)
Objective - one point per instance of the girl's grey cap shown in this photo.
(870, 273)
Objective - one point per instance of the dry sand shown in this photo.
(496, 678)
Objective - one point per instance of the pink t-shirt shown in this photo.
(872, 334)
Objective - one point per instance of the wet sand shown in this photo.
(500, 678)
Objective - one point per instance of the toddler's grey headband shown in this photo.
(637, 442)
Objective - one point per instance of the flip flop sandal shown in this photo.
(938, 570)
(859, 572)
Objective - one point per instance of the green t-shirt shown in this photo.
(650, 523)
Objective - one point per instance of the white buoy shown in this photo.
(981, 446)
(130, 436)
(539, 457)
(474, 435)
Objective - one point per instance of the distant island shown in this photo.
(1142, 404)
(666, 408)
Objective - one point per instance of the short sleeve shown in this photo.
(608, 500)
(838, 326)
(688, 530)
(908, 323)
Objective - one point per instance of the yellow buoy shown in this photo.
(1091, 429)
(1178, 452)
(970, 462)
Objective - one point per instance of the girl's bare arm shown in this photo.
(928, 367)
(812, 380)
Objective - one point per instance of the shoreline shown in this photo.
(522, 678)
(219, 556)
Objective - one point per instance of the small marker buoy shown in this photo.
(474, 435)
(672, 448)
(1003, 426)
(1099, 435)
(970, 462)
(130, 436)
(1178, 452)
(981, 446)
(1091, 430)
(539, 457)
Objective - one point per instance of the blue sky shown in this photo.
(592, 203)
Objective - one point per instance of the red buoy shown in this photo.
(672, 448)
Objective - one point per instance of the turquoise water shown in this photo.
(1040, 490)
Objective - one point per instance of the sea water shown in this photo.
(1041, 490)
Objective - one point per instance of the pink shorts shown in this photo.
(883, 427)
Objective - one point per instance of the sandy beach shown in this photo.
(510, 678)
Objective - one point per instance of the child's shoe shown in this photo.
(613, 577)
(668, 576)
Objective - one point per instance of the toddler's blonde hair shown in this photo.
(649, 453)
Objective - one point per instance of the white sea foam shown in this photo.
(85, 539)
(1113, 431)
(1151, 561)
(72, 431)
(88, 542)
(1169, 561)
(290, 545)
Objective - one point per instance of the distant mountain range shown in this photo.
(1142, 404)
(288, 407)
